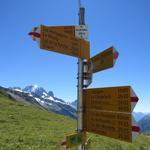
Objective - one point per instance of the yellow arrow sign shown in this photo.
(107, 111)
(70, 30)
(54, 40)
(79, 31)
(110, 124)
(104, 60)
(122, 99)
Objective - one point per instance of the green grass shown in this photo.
(104, 143)
(27, 128)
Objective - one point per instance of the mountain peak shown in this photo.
(50, 93)
(35, 89)
(31, 87)
(35, 86)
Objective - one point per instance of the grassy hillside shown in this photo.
(27, 128)
(104, 143)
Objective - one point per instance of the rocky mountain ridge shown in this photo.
(39, 97)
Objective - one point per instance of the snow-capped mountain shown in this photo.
(34, 89)
(39, 96)
(74, 104)
(144, 124)
(138, 115)
(39, 92)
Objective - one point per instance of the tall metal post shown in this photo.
(80, 81)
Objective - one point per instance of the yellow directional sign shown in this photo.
(54, 40)
(110, 124)
(111, 99)
(79, 31)
(64, 29)
(104, 60)
(107, 111)
(75, 139)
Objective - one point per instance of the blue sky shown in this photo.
(125, 24)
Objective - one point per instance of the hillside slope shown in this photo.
(23, 127)
(36, 95)
(26, 128)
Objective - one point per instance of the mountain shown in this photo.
(74, 104)
(23, 127)
(138, 115)
(39, 97)
(35, 90)
(144, 124)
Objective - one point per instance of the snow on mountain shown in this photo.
(16, 89)
(45, 99)
(39, 97)
(39, 91)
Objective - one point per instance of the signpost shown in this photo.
(70, 30)
(61, 39)
(111, 124)
(104, 111)
(107, 111)
(53, 40)
(104, 60)
(121, 99)
(80, 31)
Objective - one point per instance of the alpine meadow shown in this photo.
(23, 127)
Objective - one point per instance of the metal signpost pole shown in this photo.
(80, 81)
